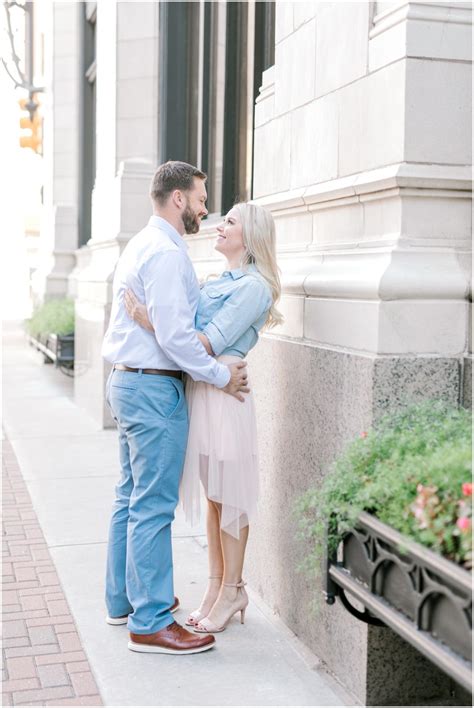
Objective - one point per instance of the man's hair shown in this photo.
(173, 175)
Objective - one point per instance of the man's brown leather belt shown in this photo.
(156, 372)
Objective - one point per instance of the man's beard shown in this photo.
(191, 221)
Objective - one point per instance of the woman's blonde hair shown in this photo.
(258, 230)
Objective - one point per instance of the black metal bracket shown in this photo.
(362, 616)
(333, 591)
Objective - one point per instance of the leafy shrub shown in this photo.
(53, 317)
(412, 471)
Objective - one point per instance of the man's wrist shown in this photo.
(223, 376)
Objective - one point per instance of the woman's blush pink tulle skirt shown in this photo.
(221, 454)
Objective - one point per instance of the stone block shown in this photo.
(341, 45)
(66, 43)
(135, 98)
(315, 158)
(347, 323)
(136, 137)
(372, 120)
(440, 40)
(339, 225)
(382, 218)
(422, 326)
(272, 157)
(265, 103)
(438, 219)
(397, 674)
(137, 20)
(283, 20)
(137, 58)
(292, 309)
(387, 47)
(294, 229)
(304, 11)
(438, 131)
(400, 381)
(467, 382)
(63, 166)
(295, 68)
(66, 68)
(66, 93)
(64, 189)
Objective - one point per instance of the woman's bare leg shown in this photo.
(215, 563)
(214, 546)
(231, 597)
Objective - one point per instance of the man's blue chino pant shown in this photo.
(151, 415)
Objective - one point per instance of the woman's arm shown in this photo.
(238, 312)
(137, 311)
(204, 340)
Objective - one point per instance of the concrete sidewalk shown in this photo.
(70, 468)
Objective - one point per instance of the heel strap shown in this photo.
(215, 577)
(235, 585)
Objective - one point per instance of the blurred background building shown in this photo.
(351, 122)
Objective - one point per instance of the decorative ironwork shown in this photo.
(423, 597)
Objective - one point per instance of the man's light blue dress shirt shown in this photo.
(156, 266)
(232, 310)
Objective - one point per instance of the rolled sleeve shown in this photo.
(238, 313)
(166, 283)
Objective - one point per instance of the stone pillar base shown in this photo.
(310, 402)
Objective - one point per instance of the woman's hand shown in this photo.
(136, 310)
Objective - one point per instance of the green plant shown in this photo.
(53, 317)
(412, 471)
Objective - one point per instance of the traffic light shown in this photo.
(30, 125)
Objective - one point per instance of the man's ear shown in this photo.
(177, 198)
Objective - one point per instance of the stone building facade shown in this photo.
(350, 121)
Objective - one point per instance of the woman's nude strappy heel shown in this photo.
(199, 614)
(238, 605)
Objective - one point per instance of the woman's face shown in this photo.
(230, 240)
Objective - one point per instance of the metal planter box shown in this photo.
(422, 596)
(63, 348)
(57, 348)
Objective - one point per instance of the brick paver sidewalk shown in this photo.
(43, 659)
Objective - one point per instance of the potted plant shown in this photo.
(391, 525)
(51, 331)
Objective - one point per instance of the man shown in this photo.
(146, 396)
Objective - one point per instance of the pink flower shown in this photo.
(363, 435)
(463, 523)
(467, 489)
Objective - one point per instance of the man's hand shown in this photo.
(136, 310)
(238, 380)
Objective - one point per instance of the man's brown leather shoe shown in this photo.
(124, 618)
(173, 639)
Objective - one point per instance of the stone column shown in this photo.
(366, 169)
(59, 225)
(127, 134)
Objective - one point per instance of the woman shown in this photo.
(222, 445)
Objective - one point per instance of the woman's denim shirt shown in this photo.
(232, 310)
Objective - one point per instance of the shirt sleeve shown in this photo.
(166, 284)
(238, 313)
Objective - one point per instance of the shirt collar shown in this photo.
(240, 272)
(159, 223)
